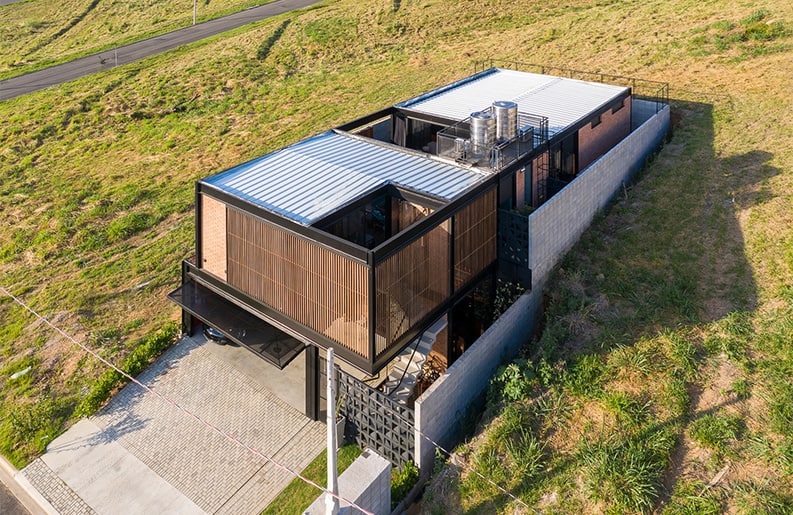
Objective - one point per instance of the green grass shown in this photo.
(693, 498)
(715, 431)
(298, 495)
(686, 278)
(664, 330)
(40, 33)
(625, 472)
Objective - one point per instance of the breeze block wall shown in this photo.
(556, 225)
(442, 408)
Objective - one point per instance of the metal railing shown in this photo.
(650, 90)
(455, 142)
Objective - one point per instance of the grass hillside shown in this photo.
(39, 33)
(667, 350)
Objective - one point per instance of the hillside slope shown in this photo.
(675, 307)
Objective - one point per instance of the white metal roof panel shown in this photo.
(312, 178)
(564, 101)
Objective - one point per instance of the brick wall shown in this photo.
(213, 236)
(593, 142)
(556, 225)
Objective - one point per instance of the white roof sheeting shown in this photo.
(314, 177)
(563, 101)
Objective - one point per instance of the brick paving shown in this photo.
(59, 495)
(213, 472)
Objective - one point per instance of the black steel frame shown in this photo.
(345, 248)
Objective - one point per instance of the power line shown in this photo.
(235, 440)
(144, 247)
(449, 453)
(174, 404)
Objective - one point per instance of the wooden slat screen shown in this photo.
(475, 238)
(213, 236)
(410, 284)
(314, 286)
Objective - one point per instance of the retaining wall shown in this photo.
(553, 229)
(556, 225)
(442, 408)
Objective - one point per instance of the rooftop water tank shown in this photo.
(483, 132)
(506, 114)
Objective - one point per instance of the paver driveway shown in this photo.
(141, 455)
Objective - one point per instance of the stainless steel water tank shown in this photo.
(483, 132)
(506, 114)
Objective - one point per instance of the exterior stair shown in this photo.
(407, 365)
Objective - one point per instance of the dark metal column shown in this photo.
(187, 318)
(312, 382)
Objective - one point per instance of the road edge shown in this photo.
(21, 488)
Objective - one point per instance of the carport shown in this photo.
(261, 338)
(277, 370)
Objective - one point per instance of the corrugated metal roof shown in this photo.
(310, 179)
(564, 101)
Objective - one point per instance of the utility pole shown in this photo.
(331, 502)
(195, 2)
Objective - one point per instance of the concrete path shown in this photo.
(71, 70)
(142, 455)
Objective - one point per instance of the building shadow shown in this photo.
(667, 256)
(667, 263)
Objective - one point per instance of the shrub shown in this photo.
(135, 363)
(402, 481)
(506, 295)
(512, 382)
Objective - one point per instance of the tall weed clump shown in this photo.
(133, 365)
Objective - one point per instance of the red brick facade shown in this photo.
(613, 128)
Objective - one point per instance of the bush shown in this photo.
(402, 481)
(506, 295)
(512, 382)
(135, 363)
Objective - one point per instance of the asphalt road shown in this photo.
(71, 70)
(9, 2)
(9, 504)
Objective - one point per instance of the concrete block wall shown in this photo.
(553, 229)
(367, 483)
(441, 409)
(558, 224)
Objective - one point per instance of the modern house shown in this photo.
(383, 232)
